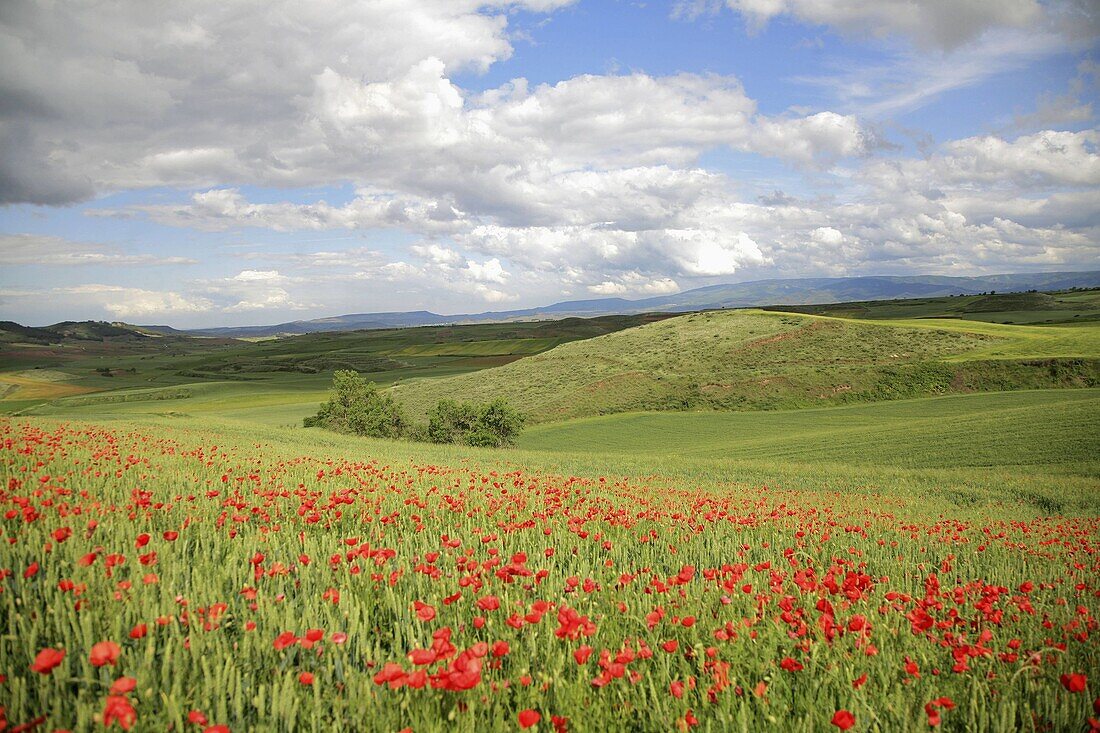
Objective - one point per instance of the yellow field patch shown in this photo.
(19, 386)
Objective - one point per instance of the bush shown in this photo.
(358, 407)
(491, 425)
(449, 421)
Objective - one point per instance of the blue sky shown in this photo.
(210, 164)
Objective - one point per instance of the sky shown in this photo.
(232, 162)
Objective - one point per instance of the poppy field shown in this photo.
(187, 580)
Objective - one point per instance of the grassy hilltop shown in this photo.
(752, 360)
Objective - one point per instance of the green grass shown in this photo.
(754, 360)
(1044, 429)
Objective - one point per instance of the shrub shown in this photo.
(358, 407)
(449, 421)
(493, 425)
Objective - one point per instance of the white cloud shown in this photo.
(1043, 159)
(254, 290)
(944, 23)
(908, 79)
(107, 96)
(126, 302)
(36, 249)
(827, 236)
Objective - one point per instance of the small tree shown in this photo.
(493, 425)
(449, 421)
(358, 407)
(497, 425)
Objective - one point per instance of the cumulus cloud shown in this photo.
(254, 290)
(1046, 158)
(113, 95)
(126, 302)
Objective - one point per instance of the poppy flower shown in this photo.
(791, 665)
(1074, 682)
(283, 640)
(104, 653)
(123, 685)
(843, 719)
(932, 709)
(528, 718)
(47, 660)
(306, 678)
(196, 717)
(119, 710)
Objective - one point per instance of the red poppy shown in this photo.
(932, 709)
(105, 652)
(424, 612)
(283, 640)
(306, 678)
(1074, 682)
(123, 685)
(47, 660)
(119, 710)
(843, 719)
(791, 665)
(528, 718)
(488, 603)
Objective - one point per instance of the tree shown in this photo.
(497, 425)
(492, 425)
(357, 406)
(449, 421)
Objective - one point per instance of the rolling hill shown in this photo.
(759, 360)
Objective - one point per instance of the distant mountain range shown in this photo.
(800, 291)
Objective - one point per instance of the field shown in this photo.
(313, 582)
(905, 554)
(275, 381)
(957, 431)
(1069, 306)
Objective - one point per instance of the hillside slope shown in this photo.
(753, 360)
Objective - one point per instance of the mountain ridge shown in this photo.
(785, 291)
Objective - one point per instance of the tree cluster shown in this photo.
(359, 407)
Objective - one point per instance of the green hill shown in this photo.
(1068, 306)
(757, 360)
